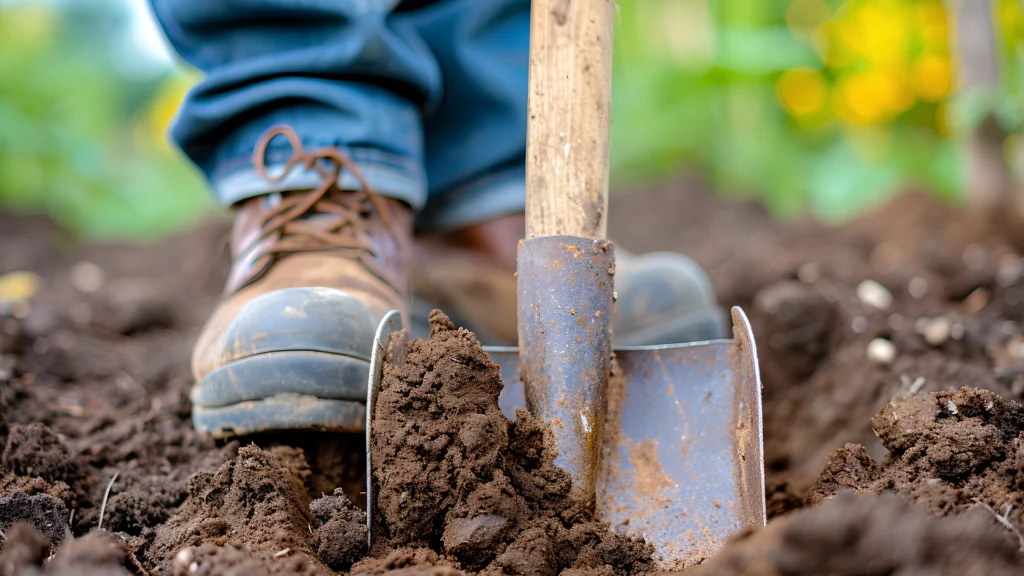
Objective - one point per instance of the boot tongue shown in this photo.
(349, 235)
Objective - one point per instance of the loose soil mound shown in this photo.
(94, 383)
(853, 536)
(949, 452)
(256, 499)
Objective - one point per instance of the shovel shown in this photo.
(669, 448)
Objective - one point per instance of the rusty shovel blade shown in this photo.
(682, 464)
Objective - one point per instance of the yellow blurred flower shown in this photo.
(18, 286)
(1010, 18)
(932, 78)
(802, 91)
(930, 20)
(872, 96)
(837, 54)
(878, 31)
(151, 129)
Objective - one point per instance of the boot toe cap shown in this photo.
(306, 319)
(665, 298)
(287, 358)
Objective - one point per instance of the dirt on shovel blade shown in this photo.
(454, 475)
(891, 352)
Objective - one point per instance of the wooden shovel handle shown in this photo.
(569, 115)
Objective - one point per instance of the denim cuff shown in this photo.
(381, 133)
(384, 178)
(493, 196)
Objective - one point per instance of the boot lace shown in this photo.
(289, 217)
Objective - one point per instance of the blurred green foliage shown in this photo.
(821, 105)
(79, 138)
(826, 106)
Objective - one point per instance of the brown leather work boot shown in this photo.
(288, 346)
(663, 297)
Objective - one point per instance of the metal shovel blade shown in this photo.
(682, 464)
(391, 323)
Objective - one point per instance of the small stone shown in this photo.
(918, 287)
(897, 322)
(1010, 268)
(1009, 328)
(956, 332)
(874, 294)
(881, 351)
(809, 273)
(465, 537)
(936, 331)
(1015, 347)
(859, 325)
(16, 286)
(40, 346)
(87, 277)
(184, 557)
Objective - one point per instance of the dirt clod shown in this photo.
(256, 499)
(134, 511)
(853, 536)
(34, 450)
(44, 512)
(948, 452)
(440, 432)
(340, 533)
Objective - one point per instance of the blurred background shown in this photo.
(825, 107)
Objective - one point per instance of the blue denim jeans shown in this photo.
(428, 97)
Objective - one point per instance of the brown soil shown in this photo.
(948, 451)
(28, 553)
(852, 536)
(94, 380)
